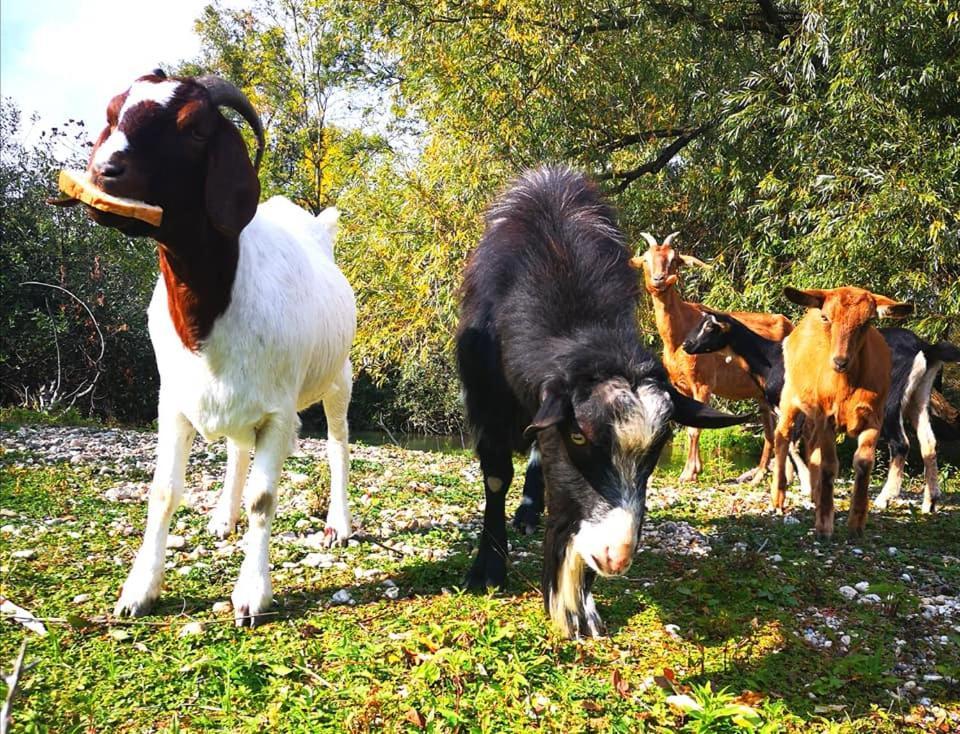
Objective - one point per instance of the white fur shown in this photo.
(281, 345)
(618, 528)
(157, 92)
(116, 142)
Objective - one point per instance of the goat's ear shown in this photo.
(690, 412)
(233, 189)
(811, 298)
(553, 408)
(887, 308)
(691, 260)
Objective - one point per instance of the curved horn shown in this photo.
(225, 94)
(691, 260)
(670, 237)
(651, 240)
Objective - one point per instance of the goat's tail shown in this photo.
(942, 352)
(328, 222)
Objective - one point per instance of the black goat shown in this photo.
(915, 364)
(548, 349)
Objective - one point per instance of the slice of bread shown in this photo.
(78, 185)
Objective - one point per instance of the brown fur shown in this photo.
(701, 376)
(837, 375)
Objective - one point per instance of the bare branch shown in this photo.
(626, 178)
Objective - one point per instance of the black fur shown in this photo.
(548, 324)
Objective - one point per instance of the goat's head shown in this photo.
(166, 143)
(600, 439)
(661, 263)
(845, 315)
(711, 334)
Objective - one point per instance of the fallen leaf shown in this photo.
(415, 718)
(750, 698)
(620, 685)
(592, 706)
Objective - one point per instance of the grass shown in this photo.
(436, 659)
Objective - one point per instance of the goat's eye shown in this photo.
(198, 136)
(824, 318)
(578, 439)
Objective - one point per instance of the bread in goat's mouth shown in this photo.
(77, 185)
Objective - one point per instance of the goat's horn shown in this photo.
(670, 237)
(651, 240)
(691, 260)
(225, 94)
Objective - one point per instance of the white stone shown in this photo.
(776, 558)
(25, 554)
(892, 551)
(862, 586)
(176, 541)
(341, 597)
(222, 607)
(847, 592)
(81, 598)
(317, 560)
(845, 640)
(190, 629)
(391, 592)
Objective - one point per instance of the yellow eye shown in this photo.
(578, 439)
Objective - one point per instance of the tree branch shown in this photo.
(626, 178)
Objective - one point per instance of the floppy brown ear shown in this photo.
(887, 308)
(232, 189)
(553, 408)
(811, 298)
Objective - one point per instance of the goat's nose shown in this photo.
(840, 363)
(617, 558)
(111, 169)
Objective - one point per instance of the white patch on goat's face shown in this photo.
(116, 142)
(617, 531)
(159, 93)
(641, 426)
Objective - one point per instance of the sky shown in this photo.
(66, 58)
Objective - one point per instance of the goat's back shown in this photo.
(551, 251)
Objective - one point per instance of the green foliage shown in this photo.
(64, 285)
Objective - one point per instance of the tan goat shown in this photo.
(837, 375)
(701, 376)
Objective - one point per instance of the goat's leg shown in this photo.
(898, 458)
(490, 566)
(339, 527)
(827, 471)
(253, 592)
(781, 443)
(693, 466)
(527, 517)
(862, 466)
(142, 587)
(223, 518)
(928, 450)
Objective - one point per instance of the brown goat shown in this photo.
(837, 375)
(701, 376)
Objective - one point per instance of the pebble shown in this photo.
(847, 592)
(222, 607)
(297, 478)
(776, 558)
(317, 560)
(672, 630)
(8, 529)
(391, 592)
(25, 555)
(906, 577)
(176, 541)
(791, 520)
(184, 570)
(862, 586)
(892, 550)
(857, 552)
(341, 597)
(190, 629)
(81, 598)
(845, 640)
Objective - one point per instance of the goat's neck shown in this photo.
(198, 273)
(757, 351)
(675, 317)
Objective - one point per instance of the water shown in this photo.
(672, 459)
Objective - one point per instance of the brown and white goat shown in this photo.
(837, 375)
(701, 376)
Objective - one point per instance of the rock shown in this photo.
(776, 558)
(296, 478)
(845, 640)
(25, 555)
(176, 541)
(190, 629)
(906, 577)
(341, 597)
(222, 607)
(672, 630)
(892, 551)
(869, 599)
(847, 592)
(791, 520)
(9, 530)
(184, 570)
(317, 560)
(862, 586)
(391, 592)
(81, 598)
(857, 551)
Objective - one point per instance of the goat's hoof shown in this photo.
(250, 600)
(881, 502)
(221, 528)
(488, 570)
(127, 606)
(333, 537)
(928, 507)
(526, 519)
